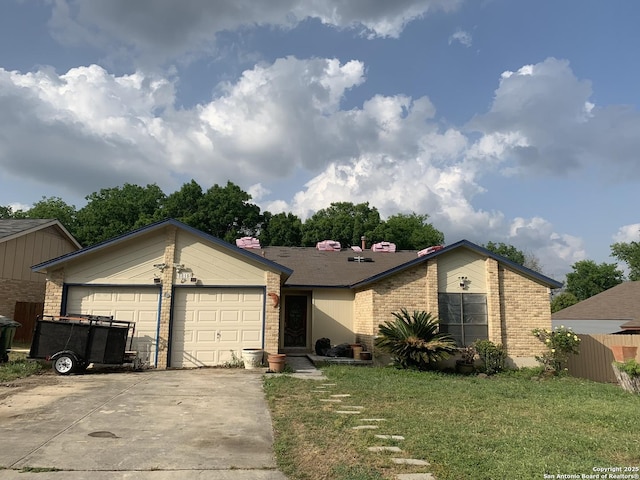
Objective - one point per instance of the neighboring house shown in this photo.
(23, 243)
(616, 310)
(196, 299)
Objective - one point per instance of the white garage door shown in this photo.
(211, 323)
(131, 304)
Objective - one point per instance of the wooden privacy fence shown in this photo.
(595, 358)
(26, 313)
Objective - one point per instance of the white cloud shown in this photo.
(559, 130)
(627, 233)
(158, 30)
(462, 37)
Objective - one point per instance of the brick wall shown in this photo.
(53, 293)
(363, 326)
(12, 291)
(525, 305)
(166, 301)
(494, 306)
(272, 314)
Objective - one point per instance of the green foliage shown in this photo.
(281, 229)
(588, 278)
(19, 368)
(183, 205)
(408, 232)
(343, 222)
(560, 342)
(630, 254)
(508, 251)
(225, 212)
(562, 300)
(116, 211)
(413, 340)
(493, 356)
(630, 367)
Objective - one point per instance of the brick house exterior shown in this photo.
(296, 294)
(23, 243)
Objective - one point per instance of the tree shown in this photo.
(115, 211)
(54, 207)
(6, 212)
(409, 232)
(413, 340)
(562, 300)
(225, 212)
(630, 254)
(588, 278)
(183, 205)
(281, 229)
(343, 222)
(508, 251)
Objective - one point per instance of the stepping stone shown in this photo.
(355, 407)
(328, 384)
(415, 476)
(348, 412)
(332, 400)
(384, 449)
(365, 427)
(374, 419)
(390, 437)
(341, 395)
(409, 461)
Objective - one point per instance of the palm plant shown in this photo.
(413, 340)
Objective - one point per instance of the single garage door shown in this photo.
(210, 323)
(131, 304)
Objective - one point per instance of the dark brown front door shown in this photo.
(295, 321)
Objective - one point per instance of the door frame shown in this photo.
(308, 347)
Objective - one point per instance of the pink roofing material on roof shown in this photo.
(329, 246)
(383, 247)
(428, 250)
(248, 242)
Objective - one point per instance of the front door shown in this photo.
(295, 321)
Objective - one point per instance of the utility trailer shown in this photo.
(74, 341)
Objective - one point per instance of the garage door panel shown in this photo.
(210, 324)
(130, 304)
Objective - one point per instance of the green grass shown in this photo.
(502, 427)
(19, 367)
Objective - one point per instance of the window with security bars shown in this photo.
(464, 316)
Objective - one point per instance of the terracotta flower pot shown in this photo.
(622, 353)
(277, 362)
(356, 348)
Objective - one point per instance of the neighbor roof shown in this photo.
(621, 302)
(11, 228)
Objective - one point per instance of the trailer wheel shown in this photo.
(65, 364)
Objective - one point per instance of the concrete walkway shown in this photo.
(303, 368)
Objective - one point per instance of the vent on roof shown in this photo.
(356, 249)
(248, 242)
(360, 259)
(383, 247)
(428, 250)
(329, 246)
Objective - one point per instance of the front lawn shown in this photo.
(503, 427)
(19, 367)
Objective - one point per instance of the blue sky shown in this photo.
(504, 120)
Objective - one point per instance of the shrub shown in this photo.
(413, 340)
(493, 356)
(630, 367)
(560, 342)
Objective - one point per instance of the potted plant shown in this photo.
(276, 362)
(466, 363)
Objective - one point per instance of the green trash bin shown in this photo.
(7, 332)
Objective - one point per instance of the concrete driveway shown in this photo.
(155, 425)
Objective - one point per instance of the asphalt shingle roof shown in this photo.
(9, 227)
(621, 302)
(312, 267)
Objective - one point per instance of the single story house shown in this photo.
(616, 310)
(198, 300)
(24, 242)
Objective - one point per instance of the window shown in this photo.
(464, 316)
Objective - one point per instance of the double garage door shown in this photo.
(209, 325)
